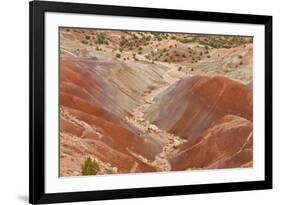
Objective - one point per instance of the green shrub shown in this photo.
(84, 42)
(118, 55)
(101, 39)
(89, 167)
(184, 40)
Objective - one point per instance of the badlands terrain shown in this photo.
(147, 101)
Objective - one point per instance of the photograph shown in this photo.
(135, 101)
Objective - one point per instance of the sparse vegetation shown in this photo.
(215, 41)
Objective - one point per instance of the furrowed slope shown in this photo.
(92, 107)
(196, 102)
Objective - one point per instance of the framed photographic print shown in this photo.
(140, 102)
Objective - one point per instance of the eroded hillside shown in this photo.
(146, 101)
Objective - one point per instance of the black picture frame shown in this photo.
(37, 9)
